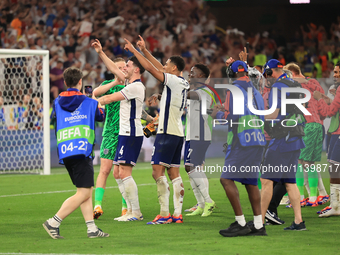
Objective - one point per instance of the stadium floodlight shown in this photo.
(25, 90)
(299, 1)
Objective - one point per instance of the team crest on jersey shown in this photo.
(106, 151)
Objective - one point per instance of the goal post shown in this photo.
(24, 72)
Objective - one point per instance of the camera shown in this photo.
(88, 90)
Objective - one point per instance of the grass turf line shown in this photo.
(22, 216)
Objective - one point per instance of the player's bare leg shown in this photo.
(266, 196)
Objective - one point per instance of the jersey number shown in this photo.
(121, 150)
(184, 99)
(190, 151)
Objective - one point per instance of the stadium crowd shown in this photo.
(174, 27)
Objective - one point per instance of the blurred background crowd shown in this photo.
(172, 27)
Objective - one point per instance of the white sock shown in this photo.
(258, 221)
(198, 178)
(241, 220)
(131, 191)
(163, 192)
(197, 193)
(305, 182)
(178, 188)
(122, 191)
(91, 227)
(55, 221)
(321, 187)
(334, 195)
(206, 181)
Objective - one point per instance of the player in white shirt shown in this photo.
(198, 138)
(130, 137)
(170, 135)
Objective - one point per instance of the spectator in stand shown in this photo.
(89, 75)
(99, 75)
(20, 110)
(17, 23)
(70, 60)
(79, 59)
(91, 55)
(39, 43)
(71, 45)
(57, 80)
(300, 54)
(3, 27)
(171, 28)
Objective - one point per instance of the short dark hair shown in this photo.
(337, 64)
(72, 76)
(136, 63)
(204, 69)
(178, 61)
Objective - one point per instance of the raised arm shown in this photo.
(146, 116)
(323, 108)
(108, 62)
(104, 88)
(148, 55)
(159, 75)
(117, 96)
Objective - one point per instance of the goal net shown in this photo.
(24, 111)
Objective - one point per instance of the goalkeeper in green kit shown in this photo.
(109, 142)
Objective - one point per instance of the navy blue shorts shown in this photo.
(243, 164)
(167, 150)
(128, 149)
(280, 166)
(334, 150)
(194, 152)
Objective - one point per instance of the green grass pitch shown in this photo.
(28, 200)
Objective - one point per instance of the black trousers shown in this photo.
(279, 190)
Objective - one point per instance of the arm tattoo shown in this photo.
(144, 115)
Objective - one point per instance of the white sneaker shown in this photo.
(121, 217)
(331, 212)
(192, 209)
(131, 217)
(285, 200)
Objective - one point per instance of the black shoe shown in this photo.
(256, 232)
(273, 219)
(235, 229)
(298, 227)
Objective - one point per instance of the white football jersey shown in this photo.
(131, 109)
(172, 104)
(198, 126)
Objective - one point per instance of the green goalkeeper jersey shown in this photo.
(111, 126)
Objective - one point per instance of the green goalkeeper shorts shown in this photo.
(313, 140)
(108, 147)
